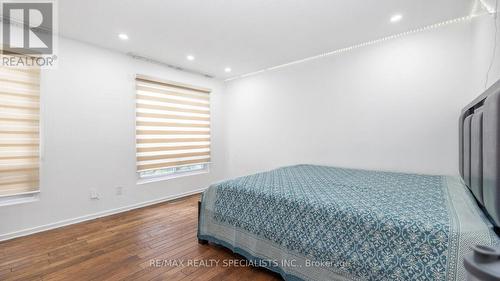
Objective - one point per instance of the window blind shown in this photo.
(172, 124)
(19, 130)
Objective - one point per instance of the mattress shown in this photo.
(311, 222)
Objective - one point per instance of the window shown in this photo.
(19, 131)
(172, 128)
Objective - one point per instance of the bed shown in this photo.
(310, 222)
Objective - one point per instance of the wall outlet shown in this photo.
(119, 190)
(94, 195)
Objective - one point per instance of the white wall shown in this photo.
(483, 46)
(391, 106)
(88, 114)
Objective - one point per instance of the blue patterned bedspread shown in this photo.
(345, 224)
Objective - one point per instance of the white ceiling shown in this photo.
(247, 35)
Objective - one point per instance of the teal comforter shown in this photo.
(324, 223)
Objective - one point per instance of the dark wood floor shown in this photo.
(121, 247)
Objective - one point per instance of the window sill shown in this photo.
(18, 199)
(169, 177)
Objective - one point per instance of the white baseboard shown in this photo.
(36, 229)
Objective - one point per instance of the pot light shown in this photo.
(227, 69)
(190, 57)
(123, 36)
(396, 18)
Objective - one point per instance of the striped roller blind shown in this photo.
(19, 130)
(172, 124)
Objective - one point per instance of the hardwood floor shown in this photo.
(122, 247)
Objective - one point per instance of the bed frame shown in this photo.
(200, 241)
(479, 151)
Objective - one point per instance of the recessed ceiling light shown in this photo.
(190, 57)
(123, 36)
(396, 18)
(227, 69)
